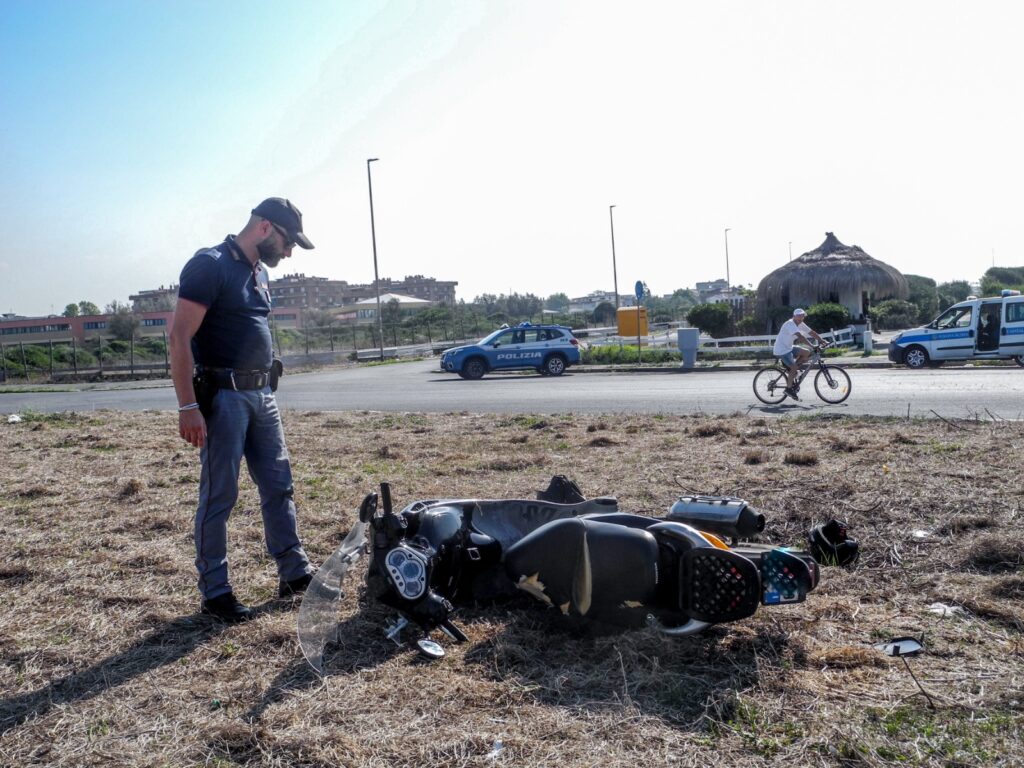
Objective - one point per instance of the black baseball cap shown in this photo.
(283, 213)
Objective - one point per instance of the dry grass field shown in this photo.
(103, 660)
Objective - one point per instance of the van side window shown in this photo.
(1015, 312)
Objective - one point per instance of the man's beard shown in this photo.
(270, 253)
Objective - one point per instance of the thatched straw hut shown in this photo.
(843, 274)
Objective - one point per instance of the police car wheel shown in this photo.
(916, 358)
(555, 365)
(1019, 360)
(474, 368)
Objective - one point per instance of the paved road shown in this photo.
(418, 386)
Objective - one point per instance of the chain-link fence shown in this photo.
(148, 355)
(95, 356)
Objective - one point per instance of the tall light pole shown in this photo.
(728, 282)
(615, 271)
(790, 250)
(376, 277)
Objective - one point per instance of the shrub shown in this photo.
(826, 316)
(751, 325)
(612, 354)
(894, 314)
(713, 319)
(801, 458)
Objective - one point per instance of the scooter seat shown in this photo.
(587, 568)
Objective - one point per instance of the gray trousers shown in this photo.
(245, 423)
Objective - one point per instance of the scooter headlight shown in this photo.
(408, 571)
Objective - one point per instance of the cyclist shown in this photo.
(789, 354)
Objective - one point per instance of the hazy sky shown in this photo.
(133, 133)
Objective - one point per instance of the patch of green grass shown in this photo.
(391, 361)
(229, 649)
(99, 728)
(763, 732)
(938, 448)
(60, 419)
(951, 736)
(31, 389)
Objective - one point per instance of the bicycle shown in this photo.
(831, 382)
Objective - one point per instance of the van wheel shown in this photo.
(1019, 360)
(916, 358)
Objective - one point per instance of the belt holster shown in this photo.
(206, 388)
(276, 372)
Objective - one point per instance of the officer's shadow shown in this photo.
(359, 644)
(165, 645)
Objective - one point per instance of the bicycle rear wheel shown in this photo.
(770, 386)
(832, 384)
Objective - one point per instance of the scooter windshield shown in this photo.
(318, 614)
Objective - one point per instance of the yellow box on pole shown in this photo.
(627, 321)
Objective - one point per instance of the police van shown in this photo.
(975, 329)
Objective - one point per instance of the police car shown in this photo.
(975, 329)
(549, 349)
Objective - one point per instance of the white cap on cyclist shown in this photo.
(797, 312)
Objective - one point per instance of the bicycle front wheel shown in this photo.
(832, 384)
(770, 386)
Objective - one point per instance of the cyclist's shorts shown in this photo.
(789, 359)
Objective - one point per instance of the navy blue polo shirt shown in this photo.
(235, 332)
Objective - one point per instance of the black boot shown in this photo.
(226, 608)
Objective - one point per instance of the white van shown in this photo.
(975, 329)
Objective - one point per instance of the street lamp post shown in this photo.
(790, 250)
(615, 271)
(728, 282)
(376, 277)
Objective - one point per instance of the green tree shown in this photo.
(88, 308)
(604, 313)
(894, 315)
(997, 278)
(123, 322)
(487, 303)
(952, 292)
(924, 294)
(391, 312)
(522, 306)
(71, 310)
(319, 318)
(713, 319)
(558, 302)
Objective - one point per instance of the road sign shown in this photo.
(639, 289)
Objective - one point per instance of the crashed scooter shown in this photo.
(676, 574)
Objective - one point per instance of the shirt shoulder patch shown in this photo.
(213, 253)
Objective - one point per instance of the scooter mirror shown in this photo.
(430, 649)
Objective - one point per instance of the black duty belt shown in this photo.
(230, 378)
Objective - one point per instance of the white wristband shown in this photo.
(188, 407)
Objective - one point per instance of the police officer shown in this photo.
(221, 361)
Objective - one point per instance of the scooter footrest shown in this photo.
(785, 578)
(716, 585)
